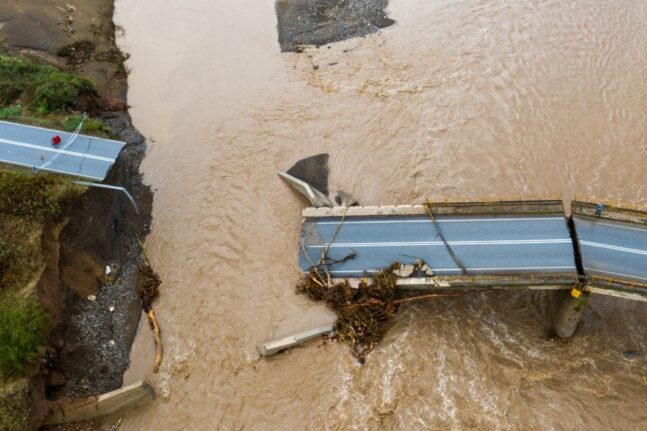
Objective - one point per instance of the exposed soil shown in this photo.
(44, 29)
(306, 22)
(93, 343)
(90, 340)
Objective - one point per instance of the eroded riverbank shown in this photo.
(88, 341)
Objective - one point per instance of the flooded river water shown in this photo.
(463, 99)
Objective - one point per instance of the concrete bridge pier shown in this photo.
(569, 312)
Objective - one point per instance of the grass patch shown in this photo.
(40, 87)
(58, 121)
(15, 405)
(35, 197)
(27, 202)
(22, 334)
(20, 258)
(10, 112)
(41, 95)
(91, 126)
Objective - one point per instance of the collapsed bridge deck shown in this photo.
(529, 240)
(524, 244)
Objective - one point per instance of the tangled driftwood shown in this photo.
(148, 287)
(363, 312)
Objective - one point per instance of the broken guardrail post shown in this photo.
(85, 409)
(570, 311)
(273, 347)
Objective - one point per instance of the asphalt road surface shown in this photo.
(87, 156)
(485, 244)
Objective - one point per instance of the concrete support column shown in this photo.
(570, 311)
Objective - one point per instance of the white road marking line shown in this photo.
(58, 171)
(593, 270)
(615, 248)
(618, 226)
(54, 150)
(440, 243)
(14, 125)
(440, 220)
(469, 269)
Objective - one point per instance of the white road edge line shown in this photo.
(439, 220)
(57, 171)
(440, 243)
(61, 132)
(619, 226)
(459, 270)
(615, 248)
(54, 150)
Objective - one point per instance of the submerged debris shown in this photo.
(362, 312)
(148, 288)
(152, 320)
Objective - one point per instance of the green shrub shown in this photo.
(42, 95)
(13, 111)
(42, 88)
(9, 91)
(14, 67)
(20, 252)
(36, 197)
(22, 334)
(26, 202)
(15, 405)
(91, 125)
(5, 257)
(59, 91)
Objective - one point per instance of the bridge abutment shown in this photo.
(569, 312)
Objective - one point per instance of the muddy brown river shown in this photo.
(464, 99)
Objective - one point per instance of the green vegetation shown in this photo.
(15, 407)
(11, 111)
(35, 197)
(20, 259)
(68, 123)
(22, 334)
(42, 88)
(36, 93)
(90, 126)
(27, 203)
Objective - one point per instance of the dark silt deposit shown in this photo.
(318, 22)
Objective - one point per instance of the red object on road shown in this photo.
(56, 140)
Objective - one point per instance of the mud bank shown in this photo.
(304, 22)
(89, 340)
